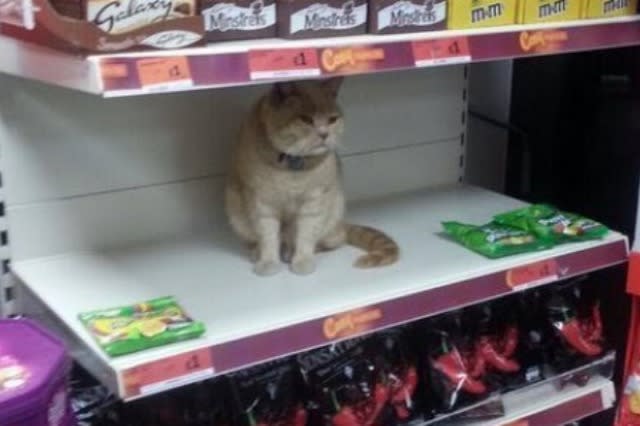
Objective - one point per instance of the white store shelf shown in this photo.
(250, 319)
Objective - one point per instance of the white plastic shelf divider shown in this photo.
(251, 319)
(547, 405)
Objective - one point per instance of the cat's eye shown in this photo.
(306, 119)
(333, 119)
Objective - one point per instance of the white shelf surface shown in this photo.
(211, 277)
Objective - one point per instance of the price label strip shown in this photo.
(164, 74)
(533, 274)
(445, 51)
(283, 63)
(168, 373)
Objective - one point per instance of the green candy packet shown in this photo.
(494, 240)
(141, 326)
(549, 223)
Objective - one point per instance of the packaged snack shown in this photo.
(610, 8)
(268, 395)
(406, 16)
(141, 326)
(326, 18)
(551, 224)
(345, 386)
(482, 13)
(238, 19)
(534, 11)
(398, 365)
(495, 240)
(451, 369)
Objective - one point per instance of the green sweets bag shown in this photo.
(494, 240)
(549, 223)
(141, 326)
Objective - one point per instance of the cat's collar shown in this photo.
(291, 162)
(298, 163)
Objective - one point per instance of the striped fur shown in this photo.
(381, 249)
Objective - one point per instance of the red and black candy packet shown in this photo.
(268, 395)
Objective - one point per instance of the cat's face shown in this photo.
(304, 118)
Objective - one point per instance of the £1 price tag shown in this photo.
(168, 373)
(522, 277)
(164, 74)
(283, 63)
(448, 51)
(422, 53)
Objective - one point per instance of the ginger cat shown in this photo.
(284, 192)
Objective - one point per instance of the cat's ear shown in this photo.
(332, 85)
(282, 90)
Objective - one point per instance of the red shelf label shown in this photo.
(283, 63)
(168, 373)
(164, 74)
(532, 274)
(451, 51)
(441, 51)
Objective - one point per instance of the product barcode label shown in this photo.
(283, 63)
(445, 51)
(164, 74)
(168, 373)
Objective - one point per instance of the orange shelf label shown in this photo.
(160, 74)
(349, 323)
(517, 423)
(532, 274)
(168, 373)
(283, 63)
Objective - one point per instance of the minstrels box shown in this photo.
(321, 18)
(482, 13)
(532, 11)
(238, 19)
(401, 16)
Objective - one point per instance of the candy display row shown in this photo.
(417, 373)
(246, 19)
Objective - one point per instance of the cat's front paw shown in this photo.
(267, 267)
(303, 266)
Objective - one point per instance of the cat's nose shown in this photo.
(323, 135)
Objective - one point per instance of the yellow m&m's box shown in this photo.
(609, 8)
(532, 11)
(482, 13)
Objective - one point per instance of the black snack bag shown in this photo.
(345, 386)
(398, 364)
(451, 371)
(574, 317)
(535, 338)
(268, 395)
(496, 337)
(201, 404)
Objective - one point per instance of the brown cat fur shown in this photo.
(284, 192)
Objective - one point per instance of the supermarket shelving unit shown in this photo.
(113, 202)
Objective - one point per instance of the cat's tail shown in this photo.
(381, 249)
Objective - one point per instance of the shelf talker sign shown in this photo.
(274, 64)
(168, 373)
